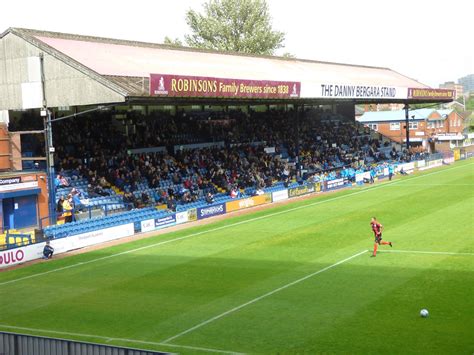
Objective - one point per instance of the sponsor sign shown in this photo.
(199, 86)
(10, 181)
(430, 94)
(21, 185)
(420, 163)
(165, 221)
(449, 160)
(35, 251)
(407, 167)
(210, 211)
(100, 236)
(432, 164)
(359, 91)
(181, 217)
(12, 257)
(334, 184)
(192, 215)
(301, 190)
(147, 225)
(280, 195)
(248, 202)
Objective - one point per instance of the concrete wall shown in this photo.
(65, 85)
(5, 162)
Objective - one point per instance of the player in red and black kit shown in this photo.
(377, 228)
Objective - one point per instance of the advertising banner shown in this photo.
(35, 251)
(147, 225)
(100, 236)
(420, 163)
(333, 184)
(165, 221)
(192, 215)
(407, 167)
(358, 91)
(182, 217)
(430, 94)
(301, 190)
(198, 86)
(432, 164)
(8, 185)
(210, 211)
(280, 195)
(248, 202)
(10, 181)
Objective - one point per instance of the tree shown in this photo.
(173, 42)
(234, 25)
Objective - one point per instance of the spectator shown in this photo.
(209, 197)
(59, 205)
(67, 208)
(48, 251)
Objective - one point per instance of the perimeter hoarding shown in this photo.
(248, 202)
(304, 189)
(210, 211)
(199, 86)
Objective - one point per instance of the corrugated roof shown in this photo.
(129, 60)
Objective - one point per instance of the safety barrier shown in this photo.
(22, 344)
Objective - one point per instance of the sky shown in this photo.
(428, 40)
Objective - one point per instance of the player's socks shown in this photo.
(375, 249)
(386, 243)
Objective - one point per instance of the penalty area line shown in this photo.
(281, 288)
(425, 252)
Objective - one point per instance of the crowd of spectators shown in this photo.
(257, 149)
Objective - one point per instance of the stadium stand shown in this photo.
(226, 154)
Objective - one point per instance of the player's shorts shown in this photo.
(378, 238)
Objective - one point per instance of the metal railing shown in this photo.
(22, 344)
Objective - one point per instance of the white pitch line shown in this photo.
(235, 309)
(230, 225)
(425, 252)
(111, 339)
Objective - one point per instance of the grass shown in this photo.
(247, 266)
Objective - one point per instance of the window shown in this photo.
(430, 125)
(373, 126)
(395, 126)
(413, 125)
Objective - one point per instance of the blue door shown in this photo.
(8, 213)
(25, 211)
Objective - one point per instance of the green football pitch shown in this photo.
(294, 278)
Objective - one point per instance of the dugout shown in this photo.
(55, 75)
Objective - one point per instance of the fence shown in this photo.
(21, 344)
